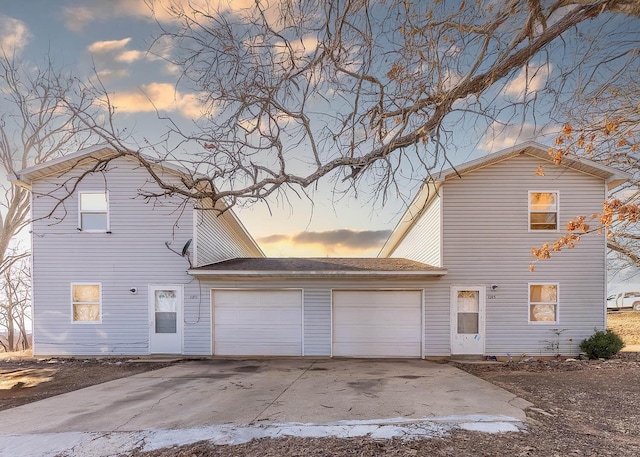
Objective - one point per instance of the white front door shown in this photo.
(467, 320)
(165, 319)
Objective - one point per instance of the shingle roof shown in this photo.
(318, 266)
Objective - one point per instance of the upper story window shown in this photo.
(543, 210)
(94, 212)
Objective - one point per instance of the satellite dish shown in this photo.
(185, 249)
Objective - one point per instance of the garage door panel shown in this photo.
(381, 297)
(376, 333)
(399, 316)
(240, 349)
(254, 315)
(376, 350)
(377, 323)
(238, 333)
(257, 322)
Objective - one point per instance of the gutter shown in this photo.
(316, 273)
(13, 178)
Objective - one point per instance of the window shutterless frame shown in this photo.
(543, 210)
(83, 298)
(93, 211)
(543, 301)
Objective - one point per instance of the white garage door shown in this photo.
(257, 322)
(377, 323)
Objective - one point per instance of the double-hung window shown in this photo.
(543, 210)
(94, 212)
(85, 302)
(543, 303)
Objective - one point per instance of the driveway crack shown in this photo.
(135, 416)
(281, 393)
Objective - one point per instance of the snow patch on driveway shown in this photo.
(102, 444)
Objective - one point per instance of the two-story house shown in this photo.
(109, 266)
(480, 221)
(115, 272)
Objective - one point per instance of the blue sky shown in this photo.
(112, 38)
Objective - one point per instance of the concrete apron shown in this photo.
(233, 401)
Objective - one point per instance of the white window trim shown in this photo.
(80, 211)
(94, 283)
(557, 192)
(557, 302)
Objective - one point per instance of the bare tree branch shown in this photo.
(34, 127)
(363, 91)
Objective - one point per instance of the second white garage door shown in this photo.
(257, 322)
(377, 323)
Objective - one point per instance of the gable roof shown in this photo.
(93, 154)
(63, 164)
(611, 176)
(308, 267)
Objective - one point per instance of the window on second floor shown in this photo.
(543, 210)
(94, 212)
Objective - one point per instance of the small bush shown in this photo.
(602, 345)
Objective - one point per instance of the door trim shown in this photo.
(482, 310)
(179, 318)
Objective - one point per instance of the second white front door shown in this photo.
(165, 319)
(467, 320)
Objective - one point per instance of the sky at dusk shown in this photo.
(110, 40)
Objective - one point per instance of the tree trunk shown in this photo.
(10, 333)
(24, 335)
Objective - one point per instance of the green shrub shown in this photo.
(602, 345)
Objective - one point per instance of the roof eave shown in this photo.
(229, 274)
(27, 175)
(14, 179)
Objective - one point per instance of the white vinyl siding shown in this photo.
(216, 240)
(317, 320)
(377, 323)
(423, 242)
(133, 255)
(496, 249)
(485, 237)
(257, 322)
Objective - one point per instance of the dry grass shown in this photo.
(626, 324)
(16, 355)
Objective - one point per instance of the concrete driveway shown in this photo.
(250, 392)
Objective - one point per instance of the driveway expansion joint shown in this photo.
(282, 393)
